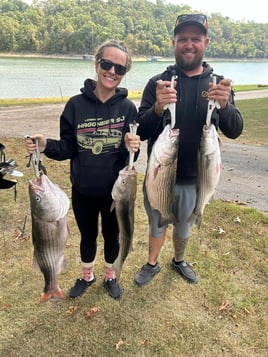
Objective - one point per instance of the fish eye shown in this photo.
(38, 199)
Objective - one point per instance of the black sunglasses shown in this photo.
(199, 18)
(106, 65)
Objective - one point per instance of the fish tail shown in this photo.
(163, 222)
(191, 219)
(194, 219)
(56, 294)
(198, 222)
(117, 266)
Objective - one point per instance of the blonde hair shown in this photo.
(117, 44)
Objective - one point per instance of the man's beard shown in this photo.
(189, 66)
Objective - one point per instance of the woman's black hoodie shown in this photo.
(92, 136)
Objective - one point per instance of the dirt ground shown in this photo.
(244, 177)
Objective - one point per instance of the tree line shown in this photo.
(71, 27)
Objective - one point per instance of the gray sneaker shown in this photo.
(146, 274)
(185, 271)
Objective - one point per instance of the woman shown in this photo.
(93, 134)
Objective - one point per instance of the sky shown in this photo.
(237, 10)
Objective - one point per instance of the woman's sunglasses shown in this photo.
(106, 65)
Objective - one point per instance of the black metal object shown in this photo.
(6, 167)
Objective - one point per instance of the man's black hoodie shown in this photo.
(191, 111)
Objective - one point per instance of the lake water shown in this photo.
(45, 77)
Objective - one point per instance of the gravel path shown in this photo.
(244, 177)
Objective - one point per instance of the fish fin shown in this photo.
(112, 206)
(195, 219)
(64, 265)
(155, 171)
(211, 199)
(117, 266)
(163, 222)
(57, 294)
(36, 265)
(198, 222)
(45, 297)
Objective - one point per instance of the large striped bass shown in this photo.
(209, 169)
(49, 208)
(124, 196)
(161, 173)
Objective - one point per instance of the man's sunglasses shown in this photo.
(199, 18)
(106, 65)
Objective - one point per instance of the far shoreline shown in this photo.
(89, 57)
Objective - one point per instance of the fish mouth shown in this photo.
(36, 185)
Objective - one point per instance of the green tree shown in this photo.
(78, 26)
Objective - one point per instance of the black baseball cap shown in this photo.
(198, 20)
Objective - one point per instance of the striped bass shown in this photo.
(124, 196)
(209, 169)
(161, 173)
(49, 208)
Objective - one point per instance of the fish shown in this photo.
(161, 171)
(124, 195)
(49, 209)
(209, 166)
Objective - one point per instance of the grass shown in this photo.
(254, 112)
(249, 87)
(226, 314)
(132, 94)
(53, 100)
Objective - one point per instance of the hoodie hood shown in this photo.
(174, 69)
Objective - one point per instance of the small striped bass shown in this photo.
(124, 196)
(49, 208)
(209, 170)
(161, 173)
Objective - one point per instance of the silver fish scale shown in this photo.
(209, 169)
(161, 173)
(49, 231)
(124, 196)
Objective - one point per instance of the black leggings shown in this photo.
(86, 210)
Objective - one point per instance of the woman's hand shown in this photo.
(132, 142)
(35, 142)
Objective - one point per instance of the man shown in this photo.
(193, 88)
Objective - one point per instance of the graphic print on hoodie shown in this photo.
(100, 135)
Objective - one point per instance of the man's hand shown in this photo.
(164, 96)
(220, 92)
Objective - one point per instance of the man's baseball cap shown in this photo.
(198, 20)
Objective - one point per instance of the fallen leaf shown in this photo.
(72, 309)
(92, 311)
(119, 344)
(144, 342)
(6, 306)
(221, 230)
(224, 306)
